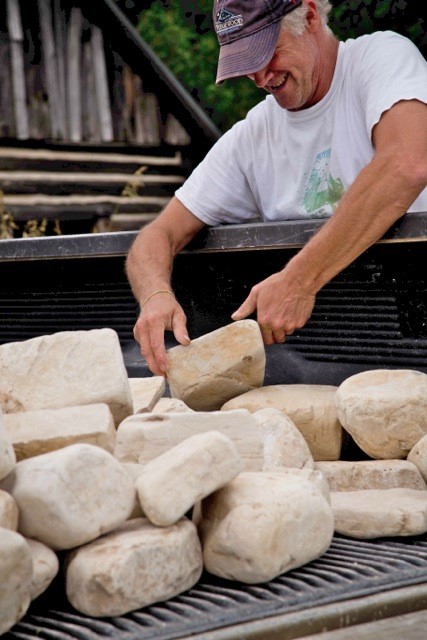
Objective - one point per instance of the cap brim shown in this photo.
(249, 54)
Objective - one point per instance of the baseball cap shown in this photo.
(247, 32)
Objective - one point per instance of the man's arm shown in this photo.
(380, 195)
(149, 267)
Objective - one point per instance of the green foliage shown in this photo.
(182, 36)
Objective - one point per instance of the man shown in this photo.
(343, 135)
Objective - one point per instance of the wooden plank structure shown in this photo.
(91, 133)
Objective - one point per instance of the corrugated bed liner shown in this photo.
(349, 569)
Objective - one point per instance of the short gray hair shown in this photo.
(295, 20)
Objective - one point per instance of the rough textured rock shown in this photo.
(173, 482)
(262, 525)
(35, 432)
(310, 407)
(45, 567)
(7, 453)
(144, 437)
(133, 567)
(9, 512)
(284, 445)
(384, 410)
(146, 392)
(217, 366)
(418, 456)
(380, 513)
(170, 405)
(65, 369)
(134, 470)
(71, 496)
(16, 570)
(361, 475)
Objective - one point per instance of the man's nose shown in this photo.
(261, 77)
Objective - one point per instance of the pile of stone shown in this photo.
(138, 492)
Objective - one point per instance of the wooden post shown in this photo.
(16, 35)
(101, 85)
(57, 115)
(74, 98)
(60, 40)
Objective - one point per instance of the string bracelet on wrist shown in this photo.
(155, 293)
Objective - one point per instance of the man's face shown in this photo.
(293, 74)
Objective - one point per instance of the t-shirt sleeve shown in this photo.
(391, 69)
(218, 190)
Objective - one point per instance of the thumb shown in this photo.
(245, 309)
(179, 328)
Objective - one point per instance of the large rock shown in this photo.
(310, 407)
(71, 496)
(35, 432)
(385, 411)
(45, 567)
(343, 475)
(133, 567)
(380, 513)
(16, 571)
(217, 366)
(141, 438)
(172, 483)
(65, 369)
(264, 524)
(7, 453)
(284, 445)
(146, 392)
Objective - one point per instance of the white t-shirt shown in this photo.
(283, 165)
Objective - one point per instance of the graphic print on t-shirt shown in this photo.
(322, 192)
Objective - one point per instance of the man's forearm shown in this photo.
(149, 263)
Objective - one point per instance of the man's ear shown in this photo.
(313, 16)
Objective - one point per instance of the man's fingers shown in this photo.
(279, 336)
(179, 328)
(245, 309)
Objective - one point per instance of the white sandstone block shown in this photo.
(264, 524)
(146, 392)
(136, 565)
(173, 482)
(65, 369)
(384, 410)
(70, 496)
(7, 453)
(217, 366)
(343, 475)
(35, 432)
(284, 445)
(9, 512)
(379, 513)
(143, 437)
(310, 407)
(45, 567)
(16, 571)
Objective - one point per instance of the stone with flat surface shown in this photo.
(141, 438)
(384, 410)
(136, 565)
(70, 496)
(65, 369)
(173, 482)
(35, 432)
(378, 513)
(310, 407)
(359, 475)
(217, 366)
(261, 525)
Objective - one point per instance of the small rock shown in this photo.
(146, 392)
(45, 567)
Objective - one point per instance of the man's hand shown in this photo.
(281, 307)
(160, 313)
